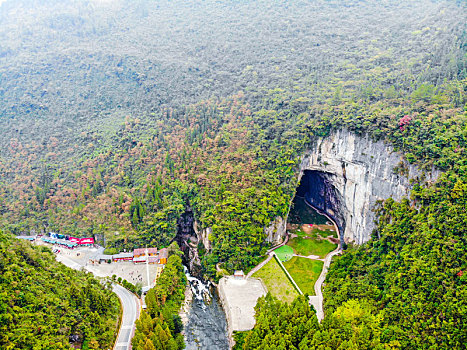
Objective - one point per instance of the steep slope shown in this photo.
(77, 158)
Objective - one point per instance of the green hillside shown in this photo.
(45, 305)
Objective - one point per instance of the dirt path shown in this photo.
(311, 257)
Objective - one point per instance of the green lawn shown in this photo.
(325, 233)
(305, 272)
(284, 253)
(304, 246)
(276, 281)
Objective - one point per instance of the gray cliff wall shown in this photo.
(276, 230)
(352, 173)
(203, 235)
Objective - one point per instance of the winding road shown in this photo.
(130, 306)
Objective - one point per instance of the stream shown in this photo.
(206, 327)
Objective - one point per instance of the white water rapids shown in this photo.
(207, 326)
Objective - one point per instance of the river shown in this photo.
(206, 327)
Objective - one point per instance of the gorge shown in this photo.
(207, 124)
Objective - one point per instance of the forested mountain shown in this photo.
(100, 151)
(46, 305)
(117, 116)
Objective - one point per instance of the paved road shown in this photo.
(68, 262)
(130, 315)
(129, 301)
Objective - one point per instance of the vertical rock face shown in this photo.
(344, 175)
(276, 230)
(203, 235)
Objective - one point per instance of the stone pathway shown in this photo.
(269, 253)
(260, 265)
(280, 245)
(317, 300)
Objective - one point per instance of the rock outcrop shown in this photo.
(188, 238)
(276, 230)
(203, 235)
(344, 175)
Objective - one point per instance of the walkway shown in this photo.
(270, 255)
(317, 300)
(260, 265)
(280, 245)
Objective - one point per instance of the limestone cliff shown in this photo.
(344, 175)
(203, 235)
(276, 230)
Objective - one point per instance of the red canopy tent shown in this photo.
(84, 241)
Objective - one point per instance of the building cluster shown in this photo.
(63, 241)
(66, 241)
(139, 256)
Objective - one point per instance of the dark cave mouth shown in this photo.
(312, 181)
(317, 190)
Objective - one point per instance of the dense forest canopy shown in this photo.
(82, 61)
(160, 326)
(46, 305)
(117, 116)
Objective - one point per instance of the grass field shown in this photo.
(284, 253)
(326, 233)
(305, 272)
(276, 281)
(303, 246)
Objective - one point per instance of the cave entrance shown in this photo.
(315, 205)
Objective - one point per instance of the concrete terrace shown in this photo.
(239, 297)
